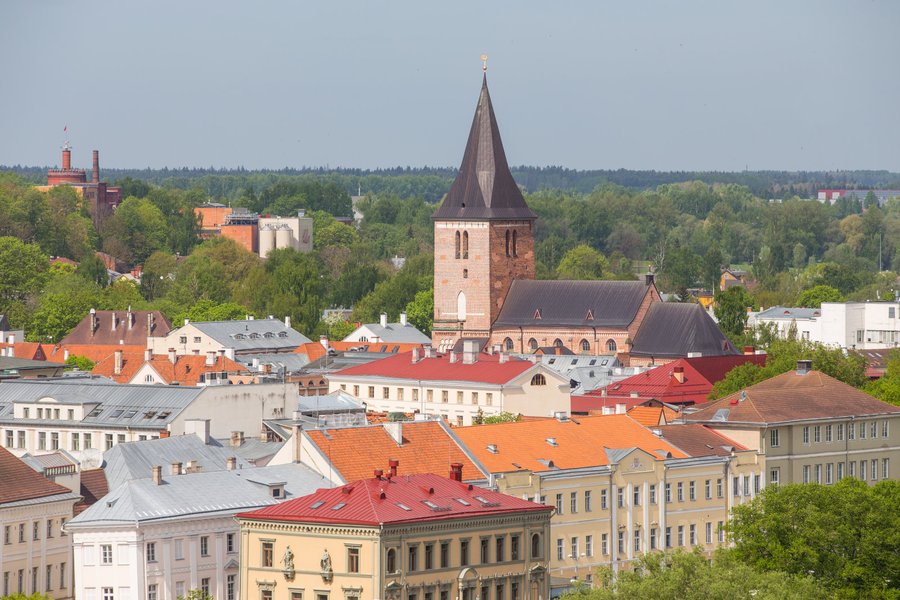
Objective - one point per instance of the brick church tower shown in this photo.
(483, 236)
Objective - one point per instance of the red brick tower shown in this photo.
(483, 236)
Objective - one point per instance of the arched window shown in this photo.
(585, 346)
(532, 343)
(461, 307)
(391, 561)
(507, 242)
(558, 343)
(457, 244)
(538, 379)
(611, 345)
(515, 251)
(465, 244)
(535, 546)
(508, 344)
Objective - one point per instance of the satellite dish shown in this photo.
(91, 458)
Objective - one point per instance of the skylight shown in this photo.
(403, 506)
(317, 504)
(429, 504)
(463, 502)
(116, 414)
(339, 506)
(96, 412)
(130, 413)
(593, 362)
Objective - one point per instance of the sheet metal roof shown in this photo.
(195, 494)
(261, 335)
(545, 303)
(675, 329)
(393, 333)
(782, 312)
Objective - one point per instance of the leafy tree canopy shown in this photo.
(815, 296)
(582, 262)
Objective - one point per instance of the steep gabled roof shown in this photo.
(487, 369)
(112, 327)
(674, 329)
(18, 481)
(792, 396)
(395, 500)
(699, 440)
(571, 303)
(484, 188)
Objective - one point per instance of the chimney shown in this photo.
(130, 316)
(403, 319)
(176, 468)
(384, 319)
(237, 438)
(470, 352)
(395, 430)
(95, 172)
(379, 473)
(229, 353)
(157, 475)
(678, 373)
(93, 321)
(415, 355)
(210, 358)
(323, 339)
(172, 357)
(117, 369)
(393, 464)
(11, 352)
(149, 322)
(456, 471)
(620, 409)
(649, 279)
(148, 355)
(187, 321)
(66, 158)
(804, 367)
(749, 350)
(65, 355)
(504, 358)
(453, 357)
(230, 463)
(114, 321)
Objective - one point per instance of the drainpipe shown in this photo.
(521, 340)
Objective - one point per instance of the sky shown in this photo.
(664, 85)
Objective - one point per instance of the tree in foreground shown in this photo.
(815, 296)
(847, 536)
(684, 575)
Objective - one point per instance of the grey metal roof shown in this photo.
(260, 335)
(782, 312)
(252, 449)
(40, 462)
(674, 329)
(588, 372)
(24, 364)
(219, 492)
(337, 401)
(394, 333)
(120, 405)
(484, 187)
(547, 303)
(345, 360)
(135, 460)
(292, 361)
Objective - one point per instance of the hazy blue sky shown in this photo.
(632, 84)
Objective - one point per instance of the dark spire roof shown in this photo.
(484, 187)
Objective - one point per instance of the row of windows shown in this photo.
(716, 532)
(178, 546)
(153, 589)
(474, 397)
(51, 440)
(835, 433)
(832, 472)
(48, 413)
(584, 345)
(14, 582)
(49, 527)
(637, 492)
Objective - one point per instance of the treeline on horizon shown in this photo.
(431, 183)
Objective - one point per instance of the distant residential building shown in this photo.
(732, 278)
(587, 372)
(102, 332)
(8, 334)
(236, 339)
(811, 427)
(398, 537)
(168, 533)
(388, 333)
(36, 556)
(459, 387)
(831, 196)
(170, 369)
(849, 325)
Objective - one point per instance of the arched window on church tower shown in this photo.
(507, 242)
(515, 251)
(457, 244)
(465, 249)
(532, 343)
(508, 344)
(461, 306)
(611, 345)
(558, 343)
(585, 346)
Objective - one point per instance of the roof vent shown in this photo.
(552, 441)
(804, 367)
(493, 449)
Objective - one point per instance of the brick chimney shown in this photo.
(210, 358)
(403, 319)
(157, 475)
(383, 319)
(470, 352)
(237, 438)
(749, 350)
(173, 358)
(456, 471)
(649, 279)
(678, 374)
(415, 355)
(117, 369)
(230, 463)
(393, 463)
(95, 172)
(176, 468)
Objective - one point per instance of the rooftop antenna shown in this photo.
(484, 63)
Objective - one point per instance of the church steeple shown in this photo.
(484, 189)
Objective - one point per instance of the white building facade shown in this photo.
(849, 325)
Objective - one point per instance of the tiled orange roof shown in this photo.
(569, 444)
(186, 370)
(93, 487)
(30, 350)
(652, 416)
(314, 350)
(355, 452)
(93, 352)
(131, 364)
(18, 481)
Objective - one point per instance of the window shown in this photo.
(736, 486)
(21, 439)
(459, 397)
(151, 552)
(7, 537)
(475, 398)
(874, 469)
(851, 431)
(840, 471)
(108, 593)
(681, 491)
(573, 546)
(652, 493)
(774, 476)
(179, 588)
(653, 538)
(204, 586)
(585, 346)
(412, 558)
(885, 468)
(182, 339)
(489, 398)
(386, 393)
(604, 544)
(179, 549)
(559, 504)
(604, 501)
(465, 244)
(391, 562)
(538, 379)
(636, 496)
(693, 534)
(42, 440)
(620, 498)
(587, 501)
(681, 535)
(10, 438)
(773, 438)
(668, 490)
(267, 554)
(106, 557)
(35, 530)
(588, 545)
(445, 396)
(851, 467)
(458, 239)
(88, 440)
(806, 435)
(464, 553)
(818, 473)
(805, 473)
(485, 550)
(621, 542)
(21, 533)
(747, 485)
(828, 429)
(515, 252)
(828, 473)
(429, 558)
(817, 433)
(62, 523)
(611, 345)
(692, 491)
(153, 591)
(532, 344)
(356, 391)
(707, 489)
(535, 546)
(445, 554)
(500, 549)
(573, 502)
(49, 528)
(204, 545)
(371, 391)
(862, 431)
(49, 579)
(514, 547)
(230, 585)
(709, 532)
(874, 429)
(229, 543)
(885, 429)
(560, 548)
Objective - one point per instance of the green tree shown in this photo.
(21, 596)
(93, 269)
(845, 535)
(887, 387)
(731, 310)
(23, 270)
(582, 262)
(420, 312)
(209, 310)
(81, 363)
(196, 594)
(503, 417)
(63, 303)
(711, 266)
(815, 296)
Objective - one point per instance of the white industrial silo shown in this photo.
(283, 236)
(266, 240)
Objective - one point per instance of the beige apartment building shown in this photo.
(619, 489)
(35, 554)
(397, 537)
(811, 427)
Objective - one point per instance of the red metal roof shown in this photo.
(395, 500)
(488, 369)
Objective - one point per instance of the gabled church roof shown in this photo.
(674, 329)
(484, 189)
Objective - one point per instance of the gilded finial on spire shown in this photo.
(484, 63)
